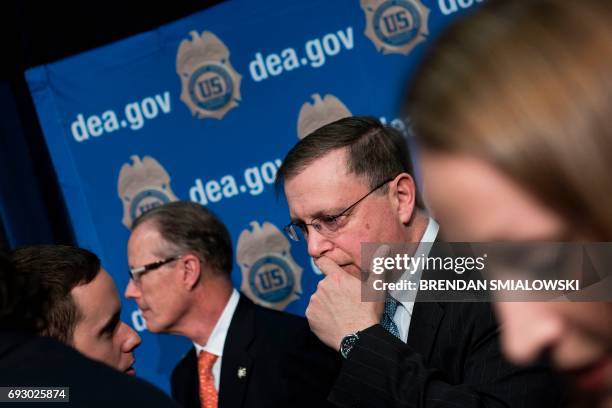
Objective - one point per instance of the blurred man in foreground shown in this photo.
(82, 303)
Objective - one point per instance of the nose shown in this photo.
(318, 245)
(131, 290)
(132, 339)
(528, 329)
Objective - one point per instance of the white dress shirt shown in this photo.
(216, 341)
(403, 313)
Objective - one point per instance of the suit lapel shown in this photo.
(424, 325)
(237, 362)
(426, 315)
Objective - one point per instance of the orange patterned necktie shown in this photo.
(208, 392)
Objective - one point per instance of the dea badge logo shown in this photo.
(320, 113)
(142, 186)
(395, 26)
(270, 276)
(210, 85)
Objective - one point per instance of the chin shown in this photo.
(150, 323)
(153, 328)
(352, 270)
(156, 326)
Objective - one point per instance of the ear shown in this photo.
(192, 270)
(403, 191)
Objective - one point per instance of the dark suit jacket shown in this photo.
(286, 365)
(30, 361)
(452, 358)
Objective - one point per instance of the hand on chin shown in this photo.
(336, 308)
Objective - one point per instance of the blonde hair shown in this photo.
(527, 86)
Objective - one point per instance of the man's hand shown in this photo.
(336, 309)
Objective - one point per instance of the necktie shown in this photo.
(208, 392)
(387, 317)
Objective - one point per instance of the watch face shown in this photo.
(347, 344)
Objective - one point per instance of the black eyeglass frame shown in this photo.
(136, 273)
(290, 228)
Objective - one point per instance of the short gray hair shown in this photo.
(190, 227)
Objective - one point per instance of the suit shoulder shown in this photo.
(275, 317)
(280, 326)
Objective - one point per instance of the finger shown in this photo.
(327, 287)
(327, 266)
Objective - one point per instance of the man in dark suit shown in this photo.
(27, 360)
(180, 257)
(350, 182)
(281, 345)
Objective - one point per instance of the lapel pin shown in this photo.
(241, 372)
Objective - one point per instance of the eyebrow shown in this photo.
(318, 215)
(111, 323)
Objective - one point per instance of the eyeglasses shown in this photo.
(325, 224)
(136, 273)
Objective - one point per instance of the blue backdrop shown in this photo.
(204, 109)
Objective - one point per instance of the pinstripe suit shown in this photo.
(452, 358)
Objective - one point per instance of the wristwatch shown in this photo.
(347, 344)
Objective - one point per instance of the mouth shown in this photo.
(347, 267)
(593, 377)
(346, 264)
(130, 370)
(352, 269)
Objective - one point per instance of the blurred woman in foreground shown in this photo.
(513, 114)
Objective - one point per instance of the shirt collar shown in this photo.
(427, 241)
(216, 341)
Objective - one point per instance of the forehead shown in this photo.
(324, 184)
(97, 300)
(145, 240)
(474, 201)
